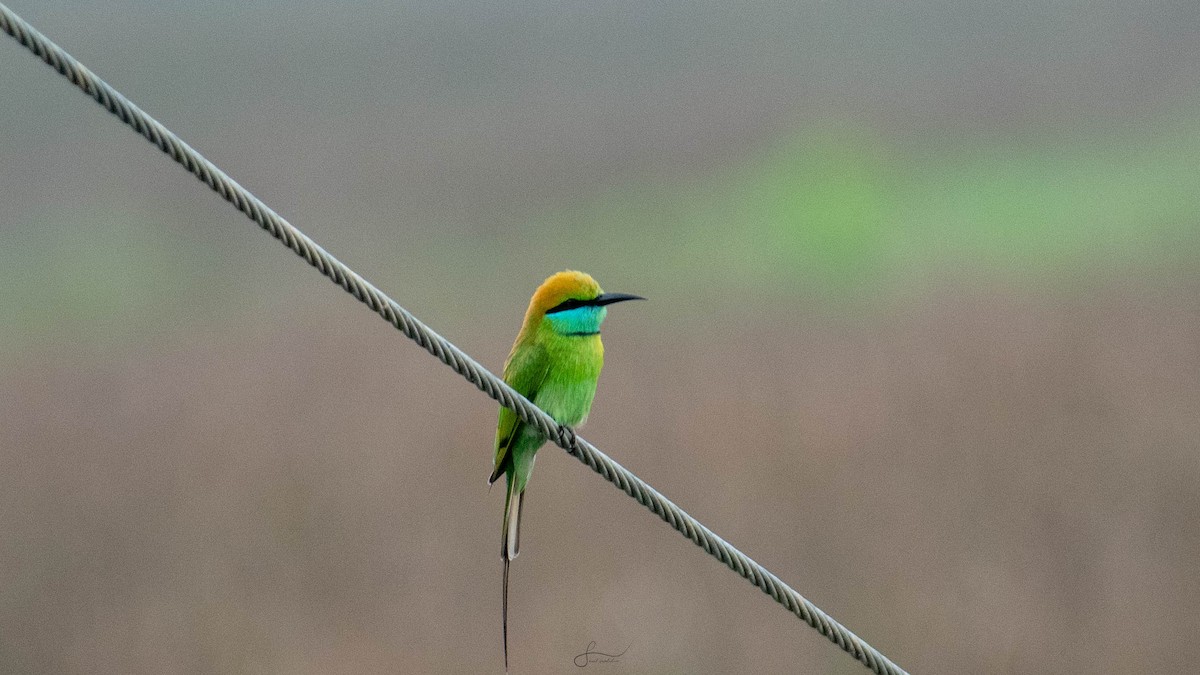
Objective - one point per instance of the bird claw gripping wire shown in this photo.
(567, 435)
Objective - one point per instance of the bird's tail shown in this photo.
(510, 541)
(510, 544)
(504, 612)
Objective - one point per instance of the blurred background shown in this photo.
(923, 335)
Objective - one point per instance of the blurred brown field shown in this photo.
(972, 483)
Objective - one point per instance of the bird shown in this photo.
(555, 362)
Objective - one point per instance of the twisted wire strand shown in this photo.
(435, 344)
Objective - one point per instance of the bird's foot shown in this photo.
(567, 435)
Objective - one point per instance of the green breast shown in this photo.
(570, 383)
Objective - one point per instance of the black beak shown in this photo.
(610, 298)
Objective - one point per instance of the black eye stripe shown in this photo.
(569, 304)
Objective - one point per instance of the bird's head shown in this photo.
(571, 303)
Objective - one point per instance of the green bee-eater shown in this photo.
(555, 363)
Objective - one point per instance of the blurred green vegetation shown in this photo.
(103, 275)
(833, 214)
(839, 210)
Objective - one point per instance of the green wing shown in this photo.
(525, 371)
